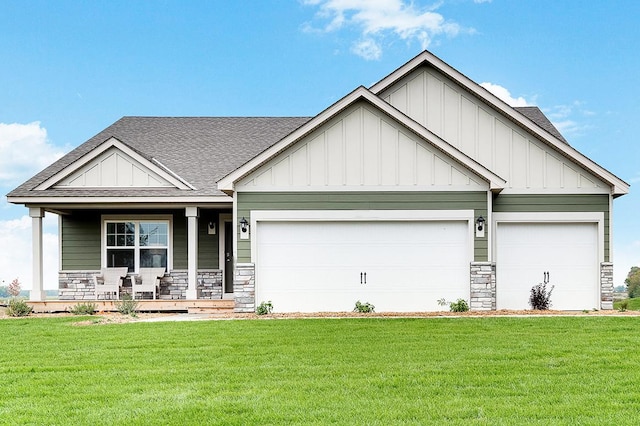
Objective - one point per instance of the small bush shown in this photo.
(459, 305)
(84, 309)
(540, 298)
(127, 305)
(264, 308)
(364, 308)
(623, 305)
(17, 307)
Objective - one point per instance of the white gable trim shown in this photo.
(112, 143)
(496, 183)
(618, 186)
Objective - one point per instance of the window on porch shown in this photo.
(137, 244)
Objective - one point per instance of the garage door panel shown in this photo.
(568, 251)
(316, 266)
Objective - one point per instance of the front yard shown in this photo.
(536, 370)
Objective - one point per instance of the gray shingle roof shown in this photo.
(201, 150)
(534, 114)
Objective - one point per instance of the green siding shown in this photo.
(248, 201)
(81, 238)
(557, 203)
(81, 241)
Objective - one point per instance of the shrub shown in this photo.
(84, 309)
(459, 305)
(364, 308)
(264, 308)
(17, 307)
(540, 298)
(623, 305)
(127, 305)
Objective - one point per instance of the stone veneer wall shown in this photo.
(483, 286)
(606, 285)
(244, 287)
(79, 285)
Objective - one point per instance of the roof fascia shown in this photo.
(120, 201)
(154, 165)
(226, 184)
(619, 187)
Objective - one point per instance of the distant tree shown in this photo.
(14, 288)
(633, 282)
(4, 292)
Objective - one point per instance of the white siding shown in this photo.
(113, 169)
(486, 136)
(362, 148)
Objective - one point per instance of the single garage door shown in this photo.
(568, 251)
(313, 266)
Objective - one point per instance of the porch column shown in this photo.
(37, 292)
(192, 214)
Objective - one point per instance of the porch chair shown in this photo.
(109, 281)
(149, 281)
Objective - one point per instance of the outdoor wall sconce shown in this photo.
(211, 228)
(244, 229)
(480, 221)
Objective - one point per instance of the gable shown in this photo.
(485, 134)
(114, 165)
(113, 169)
(362, 148)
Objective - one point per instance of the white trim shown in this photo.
(222, 219)
(135, 218)
(361, 188)
(112, 142)
(610, 228)
(559, 191)
(619, 187)
(489, 220)
(552, 217)
(360, 215)
(124, 200)
(172, 173)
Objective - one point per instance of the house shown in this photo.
(422, 187)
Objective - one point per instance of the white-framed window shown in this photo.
(137, 242)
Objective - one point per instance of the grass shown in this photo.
(633, 304)
(477, 371)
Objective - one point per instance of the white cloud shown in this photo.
(504, 94)
(368, 49)
(15, 262)
(377, 19)
(24, 150)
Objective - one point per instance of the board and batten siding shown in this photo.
(558, 203)
(362, 148)
(81, 239)
(485, 135)
(407, 200)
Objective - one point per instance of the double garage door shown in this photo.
(400, 266)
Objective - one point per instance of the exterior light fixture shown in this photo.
(480, 223)
(244, 225)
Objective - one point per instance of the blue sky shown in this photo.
(71, 68)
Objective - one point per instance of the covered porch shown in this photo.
(192, 245)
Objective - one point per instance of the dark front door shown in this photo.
(228, 257)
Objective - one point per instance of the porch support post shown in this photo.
(192, 214)
(37, 293)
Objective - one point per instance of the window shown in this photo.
(137, 243)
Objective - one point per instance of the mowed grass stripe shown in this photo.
(556, 370)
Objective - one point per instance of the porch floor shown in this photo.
(190, 306)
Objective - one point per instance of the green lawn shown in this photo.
(486, 371)
(632, 304)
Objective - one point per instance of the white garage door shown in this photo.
(328, 266)
(568, 251)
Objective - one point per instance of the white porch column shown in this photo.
(37, 292)
(192, 214)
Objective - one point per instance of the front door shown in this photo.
(228, 257)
